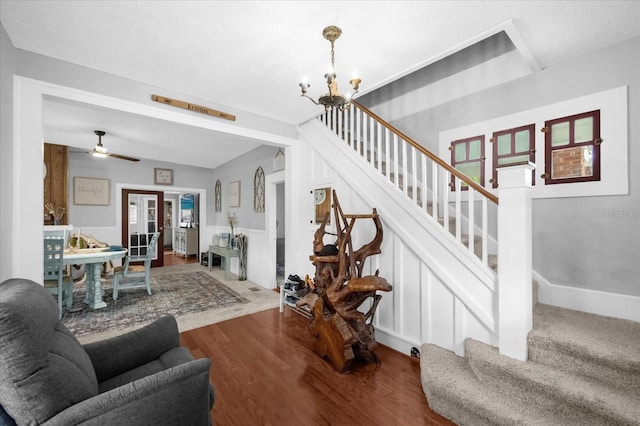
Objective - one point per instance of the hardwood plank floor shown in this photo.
(265, 373)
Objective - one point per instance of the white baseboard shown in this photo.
(592, 301)
(395, 341)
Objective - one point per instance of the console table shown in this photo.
(226, 254)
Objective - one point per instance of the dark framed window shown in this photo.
(467, 156)
(572, 148)
(513, 146)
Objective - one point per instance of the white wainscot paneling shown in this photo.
(441, 314)
(410, 311)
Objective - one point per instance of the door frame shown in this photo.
(270, 208)
(202, 226)
(159, 261)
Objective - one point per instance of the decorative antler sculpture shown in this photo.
(341, 332)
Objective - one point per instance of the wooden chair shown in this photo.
(55, 280)
(137, 276)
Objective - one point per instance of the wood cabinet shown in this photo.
(185, 241)
(56, 180)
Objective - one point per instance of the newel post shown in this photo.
(514, 259)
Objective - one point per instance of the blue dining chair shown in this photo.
(136, 276)
(55, 280)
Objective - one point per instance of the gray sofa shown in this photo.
(47, 377)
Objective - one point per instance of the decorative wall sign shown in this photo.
(234, 194)
(278, 161)
(218, 196)
(258, 191)
(90, 191)
(163, 176)
(192, 107)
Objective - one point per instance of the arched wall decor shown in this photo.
(258, 191)
(218, 196)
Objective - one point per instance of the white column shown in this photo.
(514, 259)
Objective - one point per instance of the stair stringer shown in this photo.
(454, 296)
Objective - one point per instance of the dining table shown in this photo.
(93, 258)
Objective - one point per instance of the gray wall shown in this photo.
(7, 69)
(241, 169)
(586, 242)
(125, 172)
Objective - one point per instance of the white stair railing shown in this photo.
(421, 176)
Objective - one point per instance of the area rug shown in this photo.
(193, 295)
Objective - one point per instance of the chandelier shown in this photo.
(333, 99)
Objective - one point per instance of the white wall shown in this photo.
(7, 68)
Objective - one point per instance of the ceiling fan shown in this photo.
(100, 151)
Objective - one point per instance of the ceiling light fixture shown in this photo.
(333, 99)
(99, 150)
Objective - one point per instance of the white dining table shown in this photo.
(93, 259)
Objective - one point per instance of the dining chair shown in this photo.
(55, 280)
(136, 276)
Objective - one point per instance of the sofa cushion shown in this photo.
(43, 367)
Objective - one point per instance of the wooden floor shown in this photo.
(265, 373)
(177, 259)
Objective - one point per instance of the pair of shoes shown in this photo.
(295, 278)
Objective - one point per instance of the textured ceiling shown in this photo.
(250, 55)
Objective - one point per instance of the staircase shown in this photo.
(583, 369)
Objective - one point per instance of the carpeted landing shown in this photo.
(195, 296)
(583, 369)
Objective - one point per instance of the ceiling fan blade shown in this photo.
(121, 157)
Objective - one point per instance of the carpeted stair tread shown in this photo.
(453, 390)
(572, 399)
(603, 348)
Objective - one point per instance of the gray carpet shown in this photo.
(583, 369)
(195, 296)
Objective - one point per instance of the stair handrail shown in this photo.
(467, 180)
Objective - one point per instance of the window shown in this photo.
(513, 146)
(467, 156)
(572, 148)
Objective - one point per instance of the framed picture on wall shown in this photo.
(234, 194)
(90, 191)
(163, 176)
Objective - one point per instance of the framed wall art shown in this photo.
(90, 191)
(218, 196)
(163, 176)
(234, 194)
(258, 191)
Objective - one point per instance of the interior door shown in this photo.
(142, 213)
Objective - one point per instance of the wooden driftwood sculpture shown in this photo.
(341, 332)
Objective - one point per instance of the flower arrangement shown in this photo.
(56, 211)
(232, 219)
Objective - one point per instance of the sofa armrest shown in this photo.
(178, 395)
(116, 355)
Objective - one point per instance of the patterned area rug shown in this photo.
(176, 294)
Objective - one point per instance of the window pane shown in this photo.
(572, 162)
(474, 149)
(511, 160)
(560, 134)
(504, 144)
(461, 152)
(583, 129)
(471, 169)
(522, 141)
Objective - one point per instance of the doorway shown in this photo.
(142, 215)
